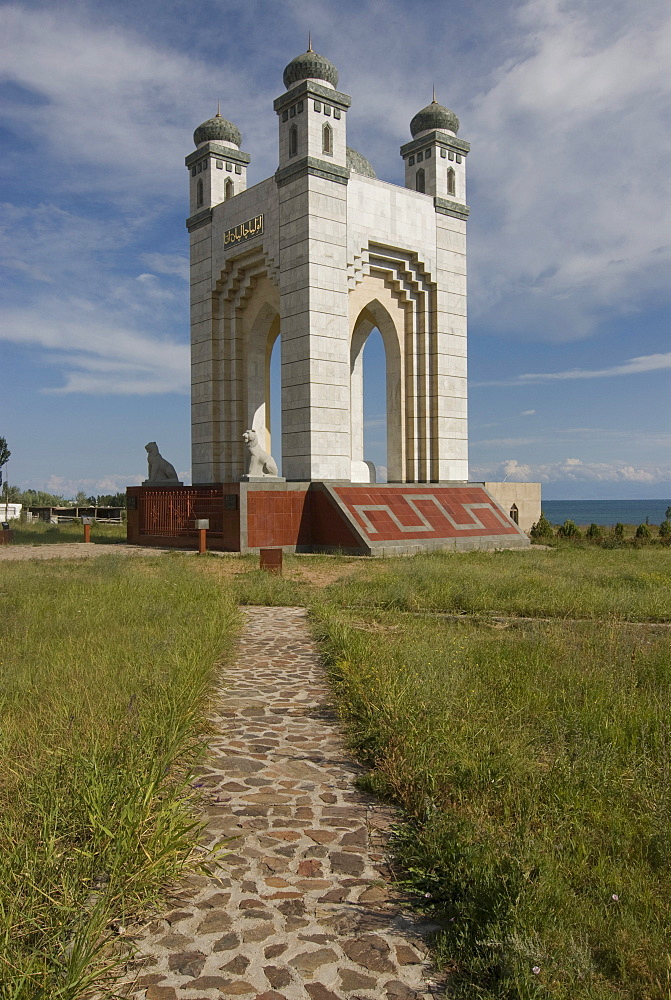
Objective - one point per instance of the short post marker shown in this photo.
(86, 521)
(202, 524)
(271, 560)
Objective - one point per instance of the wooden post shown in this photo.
(202, 541)
(271, 560)
(87, 532)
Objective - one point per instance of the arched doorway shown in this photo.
(274, 409)
(374, 317)
(262, 349)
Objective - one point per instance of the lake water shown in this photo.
(605, 511)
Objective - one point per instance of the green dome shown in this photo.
(217, 129)
(434, 116)
(310, 66)
(358, 164)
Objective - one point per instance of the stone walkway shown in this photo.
(302, 909)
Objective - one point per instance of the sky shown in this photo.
(566, 106)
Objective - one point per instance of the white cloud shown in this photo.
(572, 470)
(167, 263)
(527, 413)
(634, 366)
(68, 488)
(573, 212)
(99, 357)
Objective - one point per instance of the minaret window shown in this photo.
(327, 140)
(228, 189)
(419, 181)
(293, 141)
(199, 193)
(451, 181)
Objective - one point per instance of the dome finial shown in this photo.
(218, 114)
(434, 116)
(309, 41)
(310, 66)
(434, 101)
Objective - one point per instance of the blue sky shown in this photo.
(567, 108)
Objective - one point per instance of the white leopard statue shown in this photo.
(260, 462)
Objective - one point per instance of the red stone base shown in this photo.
(362, 519)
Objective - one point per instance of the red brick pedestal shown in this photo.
(359, 519)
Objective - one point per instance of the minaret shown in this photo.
(218, 168)
(435, 165)
(312, 182)
(435, 160)
(312, 113)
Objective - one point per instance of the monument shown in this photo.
(322, 253)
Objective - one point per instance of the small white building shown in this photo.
(10, 511)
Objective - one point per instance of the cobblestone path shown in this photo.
(301, 910)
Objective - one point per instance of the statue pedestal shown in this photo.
(262, 479)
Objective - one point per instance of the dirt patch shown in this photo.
(74, 550)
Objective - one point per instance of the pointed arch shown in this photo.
(199, 193)
(375, 315)
(327, 139)
(228, 189)
(451, 181)
(262, 332)
(420, 181)
(293, 141)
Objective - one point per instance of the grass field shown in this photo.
(41, 533)
(516, 705)
(106, 668)
(532, 759)
(566, 582)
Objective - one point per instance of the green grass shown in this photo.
(41, 533)
(533, 764)
(567, 582)
(106, 668)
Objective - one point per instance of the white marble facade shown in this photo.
(322, 253)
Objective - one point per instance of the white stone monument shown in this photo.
(322, 253)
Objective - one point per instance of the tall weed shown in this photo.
(106, 670)
(567, 582)
(533, 767)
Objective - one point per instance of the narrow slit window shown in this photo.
(327, 140)
(199, 193)
(514, 514)
(451, 181)
(228, 189)
(293, 141)
(420, 184)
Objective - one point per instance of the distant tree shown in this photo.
(618, 530)
(38, 498)
(569, 529)
(10, 494)
(643, 531)
(81, 500)
(542, 529)
(112, 500)
(594, 531)
(665, 528)
(4, 455)
(667, 516)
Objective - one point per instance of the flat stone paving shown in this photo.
(301, 908)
